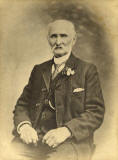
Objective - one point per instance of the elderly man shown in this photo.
(62, 104)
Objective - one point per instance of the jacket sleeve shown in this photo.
(87, 122)
(21, 112)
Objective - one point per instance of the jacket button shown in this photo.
(38, 104)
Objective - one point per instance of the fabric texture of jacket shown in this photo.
(78, 98)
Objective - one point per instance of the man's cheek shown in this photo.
(52, 43)
(68, 42)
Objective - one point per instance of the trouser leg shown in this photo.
(71, 151)
(23, 151)
(29, 151)
(66, 151)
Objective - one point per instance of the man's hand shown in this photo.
(56, 136)
(28, 134)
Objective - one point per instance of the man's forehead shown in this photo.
(61, 26)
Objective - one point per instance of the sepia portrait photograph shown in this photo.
(58, 69)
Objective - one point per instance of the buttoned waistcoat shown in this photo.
(82, 112)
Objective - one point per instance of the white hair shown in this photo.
(62, 21)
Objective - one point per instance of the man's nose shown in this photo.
(58, 40)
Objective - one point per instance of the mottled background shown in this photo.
(23, 44)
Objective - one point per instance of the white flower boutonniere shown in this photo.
(68, 71)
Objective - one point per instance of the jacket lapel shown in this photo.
(47, 73)
(71, 63)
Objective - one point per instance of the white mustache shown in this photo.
(55, 47)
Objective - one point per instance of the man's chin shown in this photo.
(57, 55)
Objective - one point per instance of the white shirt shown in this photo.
(62, 59)
(61, 62)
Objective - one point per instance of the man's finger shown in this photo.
(55, 145)
(25, 140)
(30, 140)
(50, 142)
(34, 140)
(46, 136)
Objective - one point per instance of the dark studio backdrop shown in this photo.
(23, 44)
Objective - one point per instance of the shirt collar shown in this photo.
(62, 59)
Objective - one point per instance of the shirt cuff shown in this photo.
(21, 124)
(69, 131)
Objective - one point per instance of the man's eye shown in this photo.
(53, 36)
(64, 35)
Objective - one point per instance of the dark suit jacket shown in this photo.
(82, 112)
